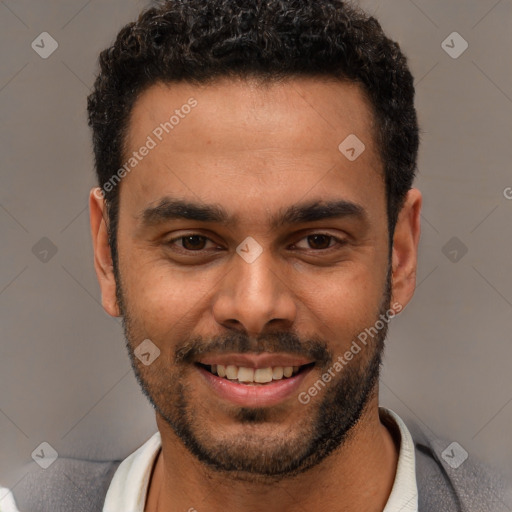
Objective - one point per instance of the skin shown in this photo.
(255, 150)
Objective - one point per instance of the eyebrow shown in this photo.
(174, 209)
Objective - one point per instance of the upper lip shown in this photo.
(265, 360)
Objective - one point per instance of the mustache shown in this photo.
(239, 342)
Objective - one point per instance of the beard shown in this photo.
(258, 447)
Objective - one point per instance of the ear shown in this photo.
(405, 249)
(102, 255)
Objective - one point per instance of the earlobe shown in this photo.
(102, 253)
(405, 248)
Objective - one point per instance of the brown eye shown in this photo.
(188, 243)
(319, 241)
(193, 242)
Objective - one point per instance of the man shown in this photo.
(257, 230)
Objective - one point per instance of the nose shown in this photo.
(254, 296)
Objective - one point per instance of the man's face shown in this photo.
(254, 152)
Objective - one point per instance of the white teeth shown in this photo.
(248, 375)
(263, 375)
(231, 372)
(277, 372)
(245, 374)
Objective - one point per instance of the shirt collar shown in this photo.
(404, 494)
(128, 488)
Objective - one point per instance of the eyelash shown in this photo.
(339, 241)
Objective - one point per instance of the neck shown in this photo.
(358, 475)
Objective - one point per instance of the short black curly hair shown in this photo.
(198, 41)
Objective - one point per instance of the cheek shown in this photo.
(162, 301)
(345, 302)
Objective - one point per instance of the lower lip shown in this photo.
(257, 395)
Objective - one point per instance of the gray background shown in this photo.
(64, 374)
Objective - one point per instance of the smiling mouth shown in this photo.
(254, 376)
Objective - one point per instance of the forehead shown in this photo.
(316, 110)
(244, 139)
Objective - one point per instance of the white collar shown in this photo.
(7, 503)
(404, 494)
(128, 488)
